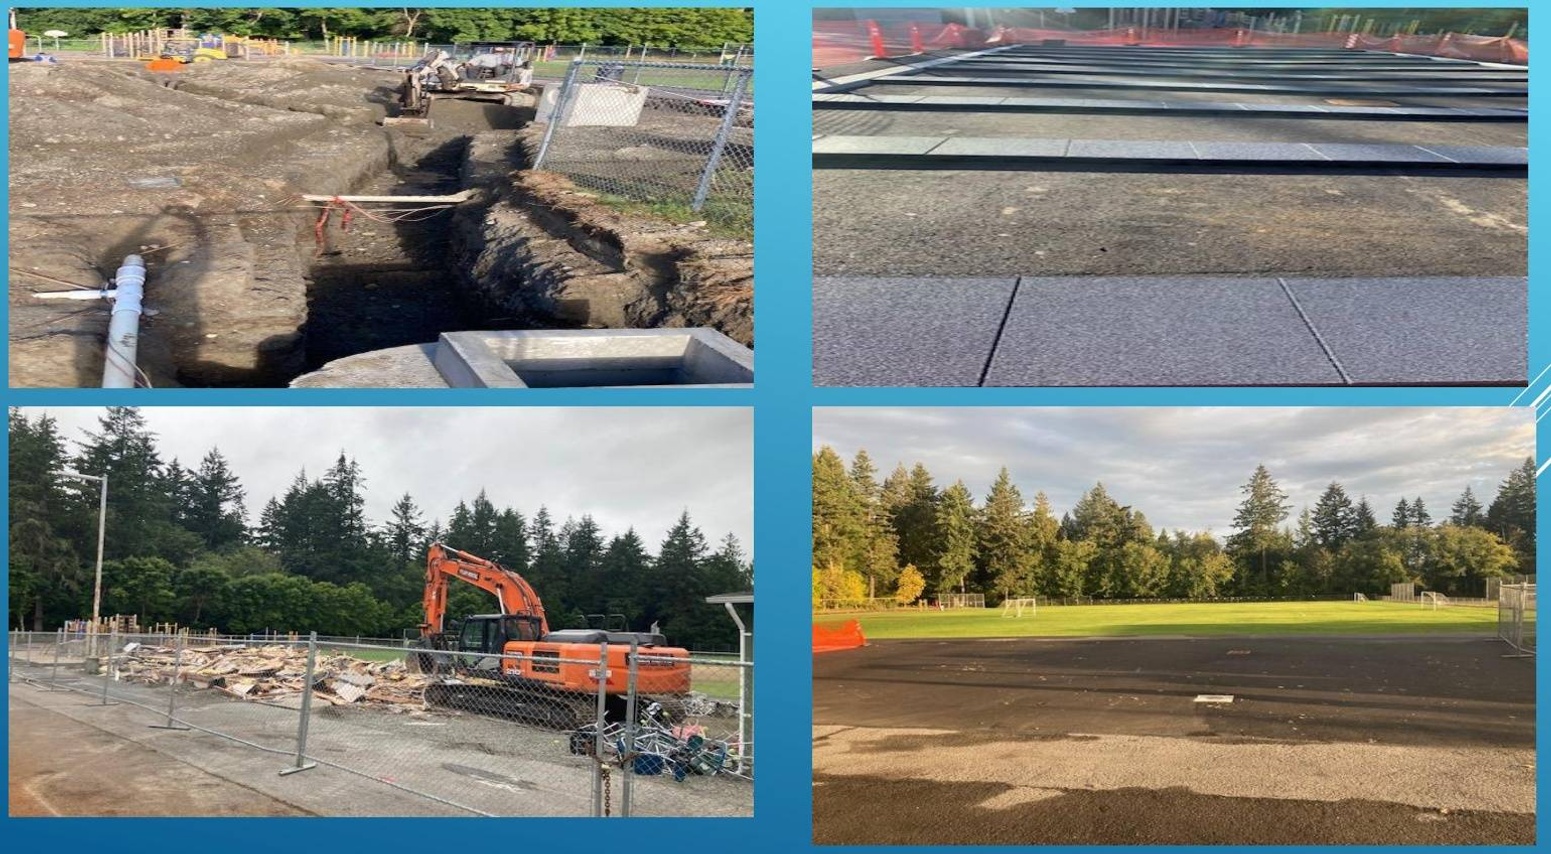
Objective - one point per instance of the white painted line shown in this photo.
(1214, 698)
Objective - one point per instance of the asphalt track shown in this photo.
(947, 222)
(1341, 740)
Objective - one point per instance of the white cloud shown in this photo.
(1183, 467)
(628, 466)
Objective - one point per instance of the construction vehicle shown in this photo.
(497, 72)
(510, 664)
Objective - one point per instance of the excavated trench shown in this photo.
(375, 285)
(246, 290)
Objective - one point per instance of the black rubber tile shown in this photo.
(1261, 151)
(875, 144)
(1378, 153)
(1001, 147)
(1456, 331)
(1102, 331)
(905, 332)
(1483, 154)
(1132, 150)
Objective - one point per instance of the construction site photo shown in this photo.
(1170, 197)
(426, 198)
(500, 645)
(1174, 626)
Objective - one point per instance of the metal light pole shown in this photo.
(102, 530)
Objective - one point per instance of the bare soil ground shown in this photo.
(1028, 741)
(201, 172)
(127, 779)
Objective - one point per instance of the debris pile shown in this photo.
(274, 673)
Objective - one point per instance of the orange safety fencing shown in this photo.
(848, 635)
(840, 42)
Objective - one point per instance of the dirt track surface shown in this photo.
(127, 779)
(1328, 741)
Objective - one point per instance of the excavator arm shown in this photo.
(444, 563)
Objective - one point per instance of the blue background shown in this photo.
(783, 400)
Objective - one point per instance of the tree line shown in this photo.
(179, 548)
(905, 538)
(665, 27)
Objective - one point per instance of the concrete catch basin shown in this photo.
(549, 358)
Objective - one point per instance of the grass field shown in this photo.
(1190, 619)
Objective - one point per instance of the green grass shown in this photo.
(363, 653)
(1193, 619)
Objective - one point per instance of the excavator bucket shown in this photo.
(410, 123)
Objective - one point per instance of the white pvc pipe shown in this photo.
(118, 367)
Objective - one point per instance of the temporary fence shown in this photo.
(461, 733)
(1516, 616)
(676, 138)
(840, 42)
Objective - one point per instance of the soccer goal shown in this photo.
(961, 600)
(1018, 607)
(1358, 597)
(1435, 600)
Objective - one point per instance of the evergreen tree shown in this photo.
(1262, 510)
(837, 514)
(1401, 518)
(213, 504)
(1332, 519)
(1003, 539)
(1467, 511)
(405, 531)
(1511, 515)
(1419, 515)
(1363, 521)
(957, 540)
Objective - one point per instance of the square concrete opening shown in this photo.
(592, 358)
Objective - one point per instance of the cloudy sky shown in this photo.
(635, 466)
(1183, 467)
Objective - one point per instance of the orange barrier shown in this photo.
(848, 635)
(164, 65)
(840, 42)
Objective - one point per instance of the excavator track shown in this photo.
(546, 709)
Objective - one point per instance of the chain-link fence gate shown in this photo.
(676, 139)
(457, 733)
(1516, 616)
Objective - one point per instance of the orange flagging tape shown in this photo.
(835, 638)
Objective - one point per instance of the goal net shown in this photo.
(1434, 600)
(1358, 597)
(961, 600)
(1018, 607)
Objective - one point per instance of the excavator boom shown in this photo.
(444, 563)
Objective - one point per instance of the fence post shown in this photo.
(600, 770)
(627, 756)
(10, 668)
(53, 676)
(306, 713)
(172, 690)
(107, 664)
(722, 133)
(562, 101)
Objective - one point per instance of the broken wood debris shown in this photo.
(275, 673)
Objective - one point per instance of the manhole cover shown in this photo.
(1360, 102)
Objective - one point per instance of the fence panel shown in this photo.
(461, 733)
(1516, 616)
(676, 139)
(673, 747)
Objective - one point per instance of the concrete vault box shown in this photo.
(593, 358)
(596, 105)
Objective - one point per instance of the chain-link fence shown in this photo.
(548, 733)
(1516, 616)
(675, 139)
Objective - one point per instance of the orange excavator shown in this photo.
(510, 664)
